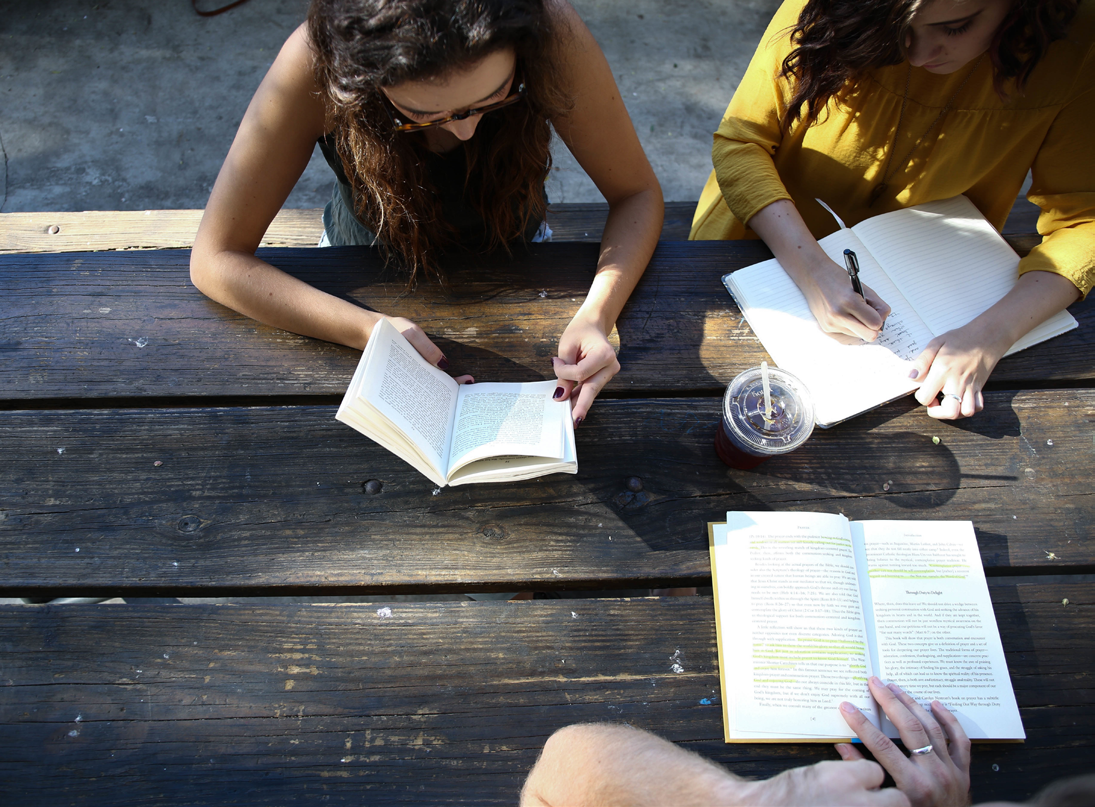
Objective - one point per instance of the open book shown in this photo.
(456, 434)
(809, 605)
(938, 265)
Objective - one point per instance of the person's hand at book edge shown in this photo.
(937, 777)
(424, 345)
(956, 364)
(586, 362)
(959, 362)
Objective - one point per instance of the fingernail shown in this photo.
(894, 688)
(443, 364)
(914, 373)
(470, 381)
(578, 422)
(847, 707)
(558, 392)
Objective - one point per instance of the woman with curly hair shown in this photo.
(437, 117)
(880, 105)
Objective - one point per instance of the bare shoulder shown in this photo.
(291, 85)
(572, 37)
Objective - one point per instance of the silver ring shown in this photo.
(919, 752)
(959, 399)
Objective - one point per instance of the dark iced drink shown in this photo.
(750, 433)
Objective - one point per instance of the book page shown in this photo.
(948, 260)
(935, 630)
(512, 469)
(844, 379)
(507, 419)
(791, 630)
(417, 398)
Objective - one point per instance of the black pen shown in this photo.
(852, 264)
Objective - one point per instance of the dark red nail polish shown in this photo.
(558, 393)
(578, 422)
(443, 364)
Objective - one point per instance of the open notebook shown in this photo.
(938, 265)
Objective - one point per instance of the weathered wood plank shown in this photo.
(266, 500)
(217, 705)
(130, 324)
(95, 230)
(98, 230)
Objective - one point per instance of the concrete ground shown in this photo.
(126, 105)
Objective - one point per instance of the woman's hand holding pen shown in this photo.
(839, 311)
(836, 306)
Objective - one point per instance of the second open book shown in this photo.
(809, 605)
(938, 265)
(454, 434)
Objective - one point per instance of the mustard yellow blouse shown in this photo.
(983, 147)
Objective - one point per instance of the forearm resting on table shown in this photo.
(606, 765)
(247, 284)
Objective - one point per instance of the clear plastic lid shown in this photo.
(792, 416)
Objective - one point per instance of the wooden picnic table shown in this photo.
(161, 448)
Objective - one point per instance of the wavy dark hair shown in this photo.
(363, 45)
(837, 42)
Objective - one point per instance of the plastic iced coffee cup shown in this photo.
(748, 433)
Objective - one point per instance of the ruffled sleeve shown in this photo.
(1063, 186)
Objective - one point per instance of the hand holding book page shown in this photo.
(455, 434)
(819, 605)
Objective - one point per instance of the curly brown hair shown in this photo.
(837, 42)
(363, 45)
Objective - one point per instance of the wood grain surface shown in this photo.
(274, 499)
(98, 230)
(130, 324)
(418, 703)
(157, 444)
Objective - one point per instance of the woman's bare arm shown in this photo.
(271, 150)
(599, 133)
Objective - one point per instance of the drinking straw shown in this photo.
(767, 390)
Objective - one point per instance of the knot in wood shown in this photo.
(189, 524)
(631, 501)
(634, 484)
(372, 487)
(493, 532)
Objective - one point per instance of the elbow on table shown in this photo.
(207, 271)
(200, 270)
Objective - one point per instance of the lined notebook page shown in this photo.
(949, 262)
(843, 380)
